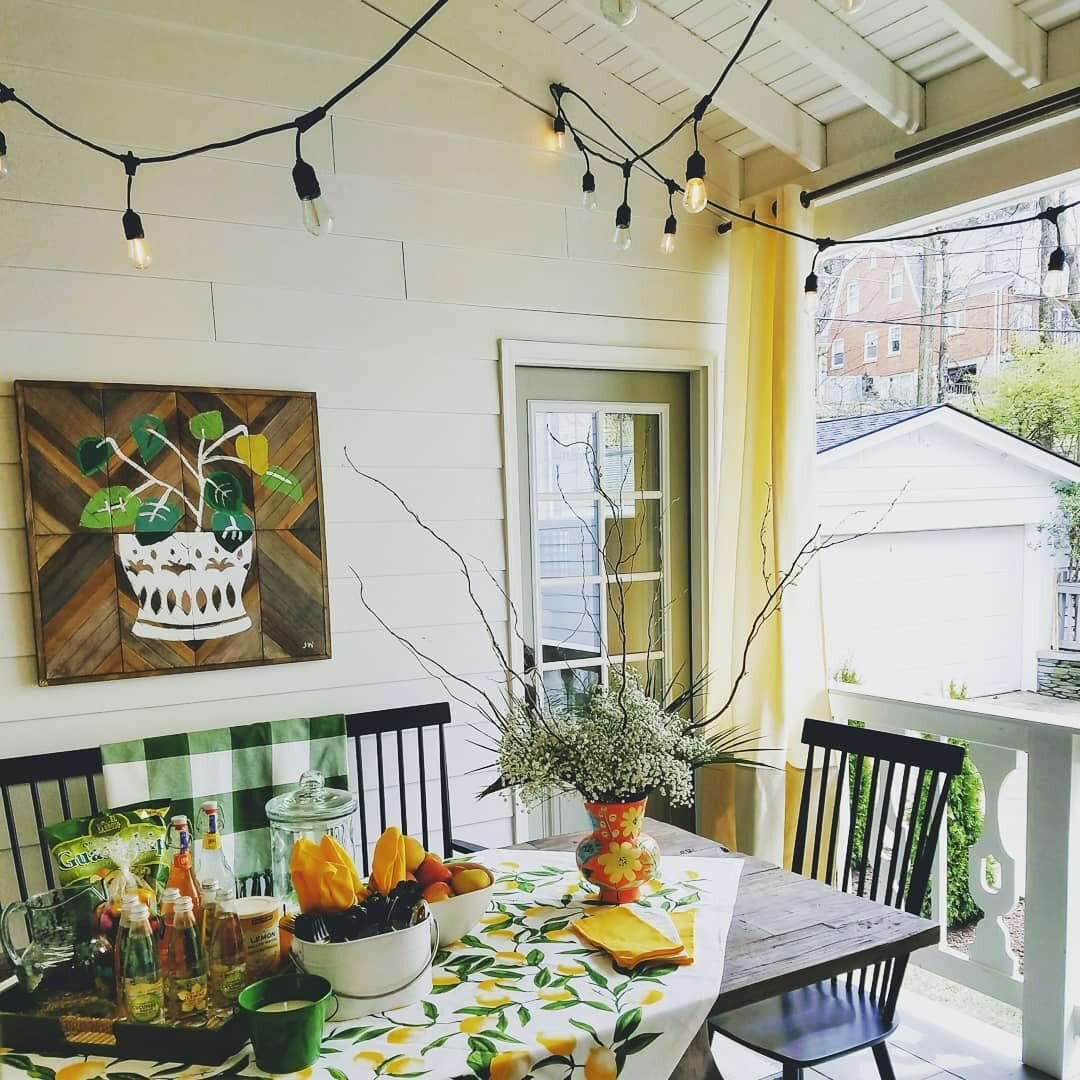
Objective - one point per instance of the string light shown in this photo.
(137, 248)
(588, 191)
(3, 156)
(316, 214)
(667, 241)
(695, 197)
(558, 132)
(853, 7)
(1056, 282)
(810, 289)
(623, 214)
(619, 12)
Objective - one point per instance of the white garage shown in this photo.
(954, 582)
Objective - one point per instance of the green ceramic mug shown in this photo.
(285, 1015)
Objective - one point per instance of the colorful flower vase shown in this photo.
(617, 857)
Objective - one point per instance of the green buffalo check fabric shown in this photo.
(242, 767)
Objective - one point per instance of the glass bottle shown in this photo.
(228, 957)
(209, 888)
(123, 931)
(141, 984)
(184, 966)
(210, 859)
(181, 873)
(168, 906)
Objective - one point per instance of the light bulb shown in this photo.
(588, 191)
(667, 241)
(853, 7)
(138, 248)
(622, 227)
(619, 12)
(1056, 282)
(317, 216)
(695, 195)
(810, 294)
(558, 133)
(695, 198)
(3, 166)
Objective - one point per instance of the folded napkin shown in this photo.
(634, 935)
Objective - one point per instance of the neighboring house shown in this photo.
(869, 339)
(955, 583)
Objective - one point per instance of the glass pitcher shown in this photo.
(60, 924)
(312, 810)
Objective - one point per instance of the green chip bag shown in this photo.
(126, 847)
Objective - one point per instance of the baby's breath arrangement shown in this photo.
(618, 744)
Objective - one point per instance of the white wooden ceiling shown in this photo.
(810, 61)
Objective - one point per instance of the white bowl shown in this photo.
(457, 915)
(375, 973)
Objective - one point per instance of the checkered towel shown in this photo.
(241, 767)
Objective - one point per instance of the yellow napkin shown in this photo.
(684, 927)
(631, 938)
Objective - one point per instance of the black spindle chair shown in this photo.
(47, 783)
(906, 794)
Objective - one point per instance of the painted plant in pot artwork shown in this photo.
(171, 529)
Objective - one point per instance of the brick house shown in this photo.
(869, 340)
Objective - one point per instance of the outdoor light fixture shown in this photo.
(588, 191)
(853, 7)
(317, 216)
(1056, 282)
(810, 294)
(138, 248)
(667, 241)
(619, 12)
(558, 132)
(695, 197)
(622, 227)
(3, 156)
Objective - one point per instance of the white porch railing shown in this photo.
(1068, 609)
(1048, 992)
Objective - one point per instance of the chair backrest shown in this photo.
(901, 784)
(407, 742)
(411, 742)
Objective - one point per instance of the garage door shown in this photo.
(910, 612)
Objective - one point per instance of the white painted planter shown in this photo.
(188, 586)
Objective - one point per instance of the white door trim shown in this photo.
(705, 383)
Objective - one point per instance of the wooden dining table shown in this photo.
(787, 932)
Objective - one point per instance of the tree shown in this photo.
(1037, 397)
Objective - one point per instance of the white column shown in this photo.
(1052, 908)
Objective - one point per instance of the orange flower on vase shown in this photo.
(632, 818)
(621, 862)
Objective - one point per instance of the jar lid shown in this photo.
(312, 801)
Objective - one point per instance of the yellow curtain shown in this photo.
(767, 448)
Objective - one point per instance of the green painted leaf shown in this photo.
(480, 1042)
(430, 1011)
(281, 480)
(223, 491)
(207, 425)
(661, 969)
(436, 1043)
(370, 1033)
(556, 1006)
(535, 958)
(150, 435)
(601, 1005)
(110, 507)
(524, 1016)
(542, 978)
(92, 454)
(156, 519)
(595, 976)
(231, 530)
(586, 1027)
(444, 989)
(639, 1042)
(627, 1024)
(480, 1063)
(337, 1074)
(555, 1059)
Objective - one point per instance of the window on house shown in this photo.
(955, 321)
(870, 346)
(895, 340)
(838, 353)
(852, 304)
(896, 285)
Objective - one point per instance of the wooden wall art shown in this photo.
(171, 529)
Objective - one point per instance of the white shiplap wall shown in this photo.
(456, 227)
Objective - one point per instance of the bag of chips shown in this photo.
(125, 847)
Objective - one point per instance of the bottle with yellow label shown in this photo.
(142, 988)
(210, 861)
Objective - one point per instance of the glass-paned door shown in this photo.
(605, 463)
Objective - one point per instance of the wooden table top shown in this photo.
(788, 931)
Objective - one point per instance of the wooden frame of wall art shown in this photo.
(171, 529)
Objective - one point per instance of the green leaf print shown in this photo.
(639, 1042)
(431, 1011)
(207, 425)
(92, 454)
(150, 435)
(627, 1024)
(222, 491)
(281, 480)
(111, 507)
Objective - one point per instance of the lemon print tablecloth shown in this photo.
(521, 996)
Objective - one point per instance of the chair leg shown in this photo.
(881, 1056)
(792, 1072)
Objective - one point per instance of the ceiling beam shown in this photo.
(526, 59)
(836, 48)
(697, 64)
(1001, 30)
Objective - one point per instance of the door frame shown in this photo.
(706, 381)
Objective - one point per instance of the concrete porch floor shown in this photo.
(934, 1042)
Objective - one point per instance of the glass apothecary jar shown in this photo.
(312, 810)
